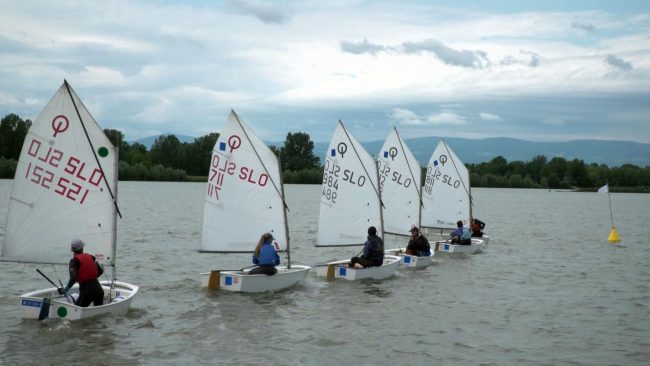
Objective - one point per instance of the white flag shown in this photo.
(604, 189)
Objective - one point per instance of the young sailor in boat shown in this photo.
(85, 270)
(477, 228)
(461, 235)
(418, 245)
(373, 252)
(265, 256)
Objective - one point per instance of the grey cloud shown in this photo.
(268, 13)
(534, 58)
(448, 55)
(529, 58)
(618, 62)
(361, 47)
(584, 26)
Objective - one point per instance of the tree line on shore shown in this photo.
(170, 160)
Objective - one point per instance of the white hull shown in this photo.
(438, 235)
(411, 261)
(342, 271)
(449, 248)
(241, 281)
(61, 307)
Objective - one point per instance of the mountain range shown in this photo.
(609, 152)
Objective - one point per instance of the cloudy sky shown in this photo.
(536, 70)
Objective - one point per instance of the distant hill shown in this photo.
(610, 153)
(148, 141)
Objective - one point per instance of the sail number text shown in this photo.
(331, 175)
(397, 177)
(219, 168)
(68, 177)
(436, 175)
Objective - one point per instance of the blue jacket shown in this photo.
(268, 255)
(462, 233)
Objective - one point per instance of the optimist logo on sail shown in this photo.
(60, 124)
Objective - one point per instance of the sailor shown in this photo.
(461, 235)
(373, 252)
(477, 228)
(418, 245)
(266, 256)
(85, 270)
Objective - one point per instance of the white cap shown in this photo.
(76, 244)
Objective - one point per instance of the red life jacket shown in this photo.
(87, 268)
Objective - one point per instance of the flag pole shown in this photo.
(613, 234)
(611, 213)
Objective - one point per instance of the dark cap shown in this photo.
(372, 230)
(414, 228)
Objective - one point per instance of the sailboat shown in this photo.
(243, 200)
(65, 187)
(446, 199)
(350, 203)
(399, 182)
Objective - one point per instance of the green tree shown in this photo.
(199, 153)
(136, 153)
(577, 171)
(117, 139)
(535, 167)
(166, 151)
(12, 135)
(298, 152)
(557, 167)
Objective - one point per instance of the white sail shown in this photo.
(59, 192)
(399, 180)
(243, 199)
(349, 198)
(445, 194)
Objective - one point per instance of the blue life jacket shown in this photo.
(268, 255)
(467, 235)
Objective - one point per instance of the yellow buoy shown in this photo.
(613, 236)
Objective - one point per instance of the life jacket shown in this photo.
(377, 249)
(87, 268)
(467, 235)
(268, 255)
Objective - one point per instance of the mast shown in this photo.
(284, 212)
(381, 204)
(114, 240)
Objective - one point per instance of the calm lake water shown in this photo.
(549, 290)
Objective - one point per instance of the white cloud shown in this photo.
(102, 76)
(406, 117)
(489, 117)
(446, 118)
